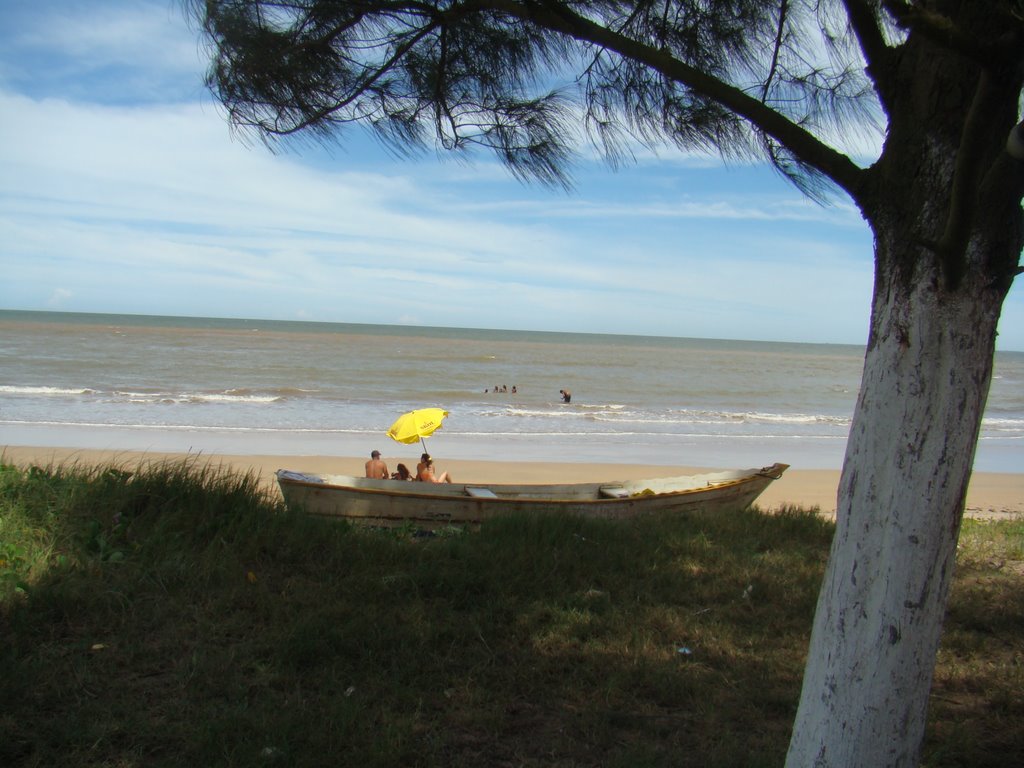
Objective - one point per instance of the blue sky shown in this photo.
(123, 189)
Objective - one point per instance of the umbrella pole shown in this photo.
(423, 444)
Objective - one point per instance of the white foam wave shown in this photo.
(188, 427)
(655, 436)
(792, 418)
(1003, 423)
(710, 418)
(620, 414)
(231, 396)
(189, 397)
(56, 391)
(558, 412)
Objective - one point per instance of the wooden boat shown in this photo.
(395, 502)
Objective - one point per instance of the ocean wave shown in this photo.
(560, 412)
(153, 396)
(759, 417)
(279, 392)
(189, 427)
(8, 389)
(1003, 428)
(793, 418)
(1003, 423)
(227, 397)
(724, 417)
(194, 397)
(648, 436)
(621, 414)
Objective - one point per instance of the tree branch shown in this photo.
(369, 79)
(941, 30)
(877, 53)
(1006, 176)
(952, 246)
(779, 33)
(803, 144)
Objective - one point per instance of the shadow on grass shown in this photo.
(178, 616)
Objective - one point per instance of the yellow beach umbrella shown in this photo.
(415, 425)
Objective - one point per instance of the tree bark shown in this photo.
(944, 206)
(901, 499)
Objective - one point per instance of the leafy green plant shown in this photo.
(13, 566)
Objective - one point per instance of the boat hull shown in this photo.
(393, 502)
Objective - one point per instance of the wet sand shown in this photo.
(990, 494)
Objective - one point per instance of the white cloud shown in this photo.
(149, 205)
(173, 213)
(58, 297)
(137, 34)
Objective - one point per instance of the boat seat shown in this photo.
(613, 492)
(480, 493)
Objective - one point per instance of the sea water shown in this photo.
(129, 382)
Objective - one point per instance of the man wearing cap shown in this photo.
(377, 469)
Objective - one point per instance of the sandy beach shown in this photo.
(990, 493)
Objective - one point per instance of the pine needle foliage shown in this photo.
(732, 77)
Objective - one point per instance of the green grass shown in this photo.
(179, 616)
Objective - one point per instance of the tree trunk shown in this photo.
(901, 499)
(944, 204)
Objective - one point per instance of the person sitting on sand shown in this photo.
(403, 473)
(426, 473)
(423, 462)
(377, 469)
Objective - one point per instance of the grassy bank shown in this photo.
(178, 617)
